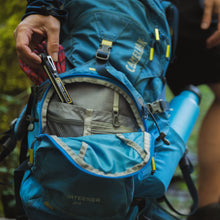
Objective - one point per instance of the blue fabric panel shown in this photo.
(105, 153)
(167, 158)
(116, 21)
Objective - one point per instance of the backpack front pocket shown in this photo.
(70, 171)
(105, 155)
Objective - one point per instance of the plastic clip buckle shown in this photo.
(157, 106)
(104, 50)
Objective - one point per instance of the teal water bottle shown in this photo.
(184, 111)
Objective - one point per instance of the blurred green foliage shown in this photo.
(13, 89)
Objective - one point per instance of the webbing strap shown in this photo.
(186, 168)
(18, 176)
(102, 56)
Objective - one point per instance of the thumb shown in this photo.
(207, 14)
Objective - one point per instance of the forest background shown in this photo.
(15, 90)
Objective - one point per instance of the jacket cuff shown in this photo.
(49, 7)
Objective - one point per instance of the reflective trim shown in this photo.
(157, 34)
(151, 54)
(107, 43)
(92, 69)
(83, 150)
(31, 158)
(153, 166)
(168, 51)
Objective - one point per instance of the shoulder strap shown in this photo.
(18, 176)
(8, 141)
(18, 130)
(186, 168)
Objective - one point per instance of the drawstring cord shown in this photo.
(162, 135)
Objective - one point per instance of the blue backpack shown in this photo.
(96, 157)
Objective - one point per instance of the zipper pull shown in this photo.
(115, 121)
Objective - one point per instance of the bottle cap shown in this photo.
(195, 90)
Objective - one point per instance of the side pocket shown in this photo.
(167, 158)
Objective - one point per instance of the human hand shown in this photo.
(32, 31)
(211, 7)
(38, 76)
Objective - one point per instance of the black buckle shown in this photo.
(104, 50)
(157, 107)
